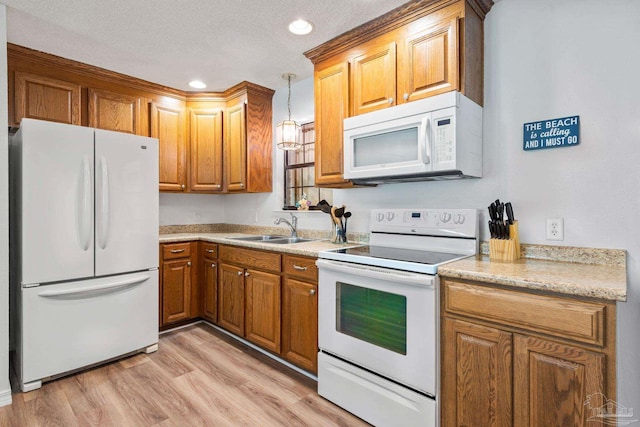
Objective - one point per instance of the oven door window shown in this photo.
(377, 317)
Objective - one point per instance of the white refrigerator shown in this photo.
(84, 247)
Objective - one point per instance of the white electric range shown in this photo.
(378, 314)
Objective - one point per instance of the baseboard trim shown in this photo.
(5, 397)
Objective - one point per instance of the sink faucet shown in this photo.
(293, 224)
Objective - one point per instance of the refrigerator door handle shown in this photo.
(96, 288)
(85, 214)
(103, 200)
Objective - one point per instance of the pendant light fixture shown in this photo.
(288, 132)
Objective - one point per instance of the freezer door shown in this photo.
(126, 202)
(55, 206)
(66, 326)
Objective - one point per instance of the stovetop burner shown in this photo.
(400, 254)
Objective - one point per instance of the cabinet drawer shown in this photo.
(209, 250)
(250, 258)
(302, 267)
(576, 320)
(176, 250)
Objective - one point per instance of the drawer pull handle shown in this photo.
(210, 251)
(312, 292)
(176, 251)
(299, 267)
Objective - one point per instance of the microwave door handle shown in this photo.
(426, 132)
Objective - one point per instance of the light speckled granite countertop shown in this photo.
(602, 281)
(304, 248)
(585, 272)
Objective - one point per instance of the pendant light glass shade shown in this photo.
(288, 132)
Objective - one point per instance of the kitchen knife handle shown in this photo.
(509, 212)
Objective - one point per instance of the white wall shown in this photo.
(5, 388)
(191, 209)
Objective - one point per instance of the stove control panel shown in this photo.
(439, 222)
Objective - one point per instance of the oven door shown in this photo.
(380, 319)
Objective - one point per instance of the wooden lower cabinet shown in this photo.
(300, 323)
(262, 311)
(552, 372)
(231, 298)
(177, 283)
(552, 383)
(209, 280)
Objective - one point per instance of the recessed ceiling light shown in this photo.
(301, 27)
(197, 84)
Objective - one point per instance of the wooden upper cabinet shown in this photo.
(168, 125)
(374, 78)
(206, 150)
(248, 143)
(235, 147)
(553, 383)
(46, 98)
(114, 111)
(428, 62)
(331, 87)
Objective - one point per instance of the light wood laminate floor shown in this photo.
(198, 377)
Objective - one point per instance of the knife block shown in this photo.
(506, 249)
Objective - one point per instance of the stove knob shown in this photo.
(390, 216)
(380, 216)
(445, 217)
(459, 219)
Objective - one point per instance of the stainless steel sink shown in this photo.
(265, 238)
(288, 240)
(273, 238)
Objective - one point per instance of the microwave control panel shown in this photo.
(444, 143)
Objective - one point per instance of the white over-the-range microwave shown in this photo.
(431, 139)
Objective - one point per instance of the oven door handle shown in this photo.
(405, 277)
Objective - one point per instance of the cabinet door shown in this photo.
(46, 98)
(428, 62)
(231, 298)
(556, 384)
(236, 147)
(176, 290)
(476, 375)
(209, 269)
(167, 124)
(331, 106)
(300, 324)
(263, 309)
(114, 111)
(373, 79)
(206, 150)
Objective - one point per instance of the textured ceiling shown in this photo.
(171, 42)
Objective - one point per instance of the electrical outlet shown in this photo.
(555, 229)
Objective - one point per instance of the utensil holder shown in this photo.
(338, 235)
(506, 249)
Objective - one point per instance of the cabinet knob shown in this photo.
(239, 273)
(390, 100)
(217, 185)
(312, 292)
(242, 184)
(182, 186)
(213, 265)
(406, 96)
(188, 263)
(246, 274)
